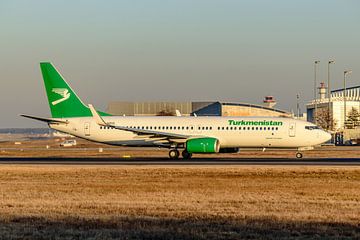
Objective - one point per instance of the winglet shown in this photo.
(96, 116)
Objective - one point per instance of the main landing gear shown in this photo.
(299, 155)
(174, 154)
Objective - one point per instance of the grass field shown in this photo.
(75, 202)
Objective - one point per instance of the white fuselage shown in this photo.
(230, 131)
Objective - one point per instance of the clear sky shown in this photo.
(173, 50)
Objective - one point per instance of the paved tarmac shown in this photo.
(195, 161)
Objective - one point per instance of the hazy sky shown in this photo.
(173, 50)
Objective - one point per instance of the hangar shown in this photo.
(211, 108)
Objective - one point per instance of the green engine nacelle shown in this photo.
(203, 145)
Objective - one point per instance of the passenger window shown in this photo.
(187, 128)
(257, 128)
(231, 128)
(248, 128)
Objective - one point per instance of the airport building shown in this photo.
(337, 105)
(214, 108)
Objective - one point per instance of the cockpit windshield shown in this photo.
(312, 127)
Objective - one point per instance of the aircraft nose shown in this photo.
(325, 136)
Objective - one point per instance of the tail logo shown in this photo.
(63, 92)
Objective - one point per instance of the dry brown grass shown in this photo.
(179, 202)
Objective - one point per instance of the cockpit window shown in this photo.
(312, 127)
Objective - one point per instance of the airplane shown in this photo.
(190, 134)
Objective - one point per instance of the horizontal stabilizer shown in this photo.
(47, 120)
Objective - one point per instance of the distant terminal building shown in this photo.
(214, 108)
(336, 114)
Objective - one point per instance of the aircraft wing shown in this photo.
(156, 136)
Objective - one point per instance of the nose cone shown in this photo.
(325, 136)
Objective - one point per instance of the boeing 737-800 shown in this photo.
(190, 134)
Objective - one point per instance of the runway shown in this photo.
(192, 162)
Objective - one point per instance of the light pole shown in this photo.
(329, 96)
(315, 95)
(297, 105)
(345, 73)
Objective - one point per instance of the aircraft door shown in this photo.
(292, 129)
(87, 129)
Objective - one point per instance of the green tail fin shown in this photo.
(63, 101)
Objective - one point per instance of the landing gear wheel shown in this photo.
(174, 154)
(186, 154)
(299, 155)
